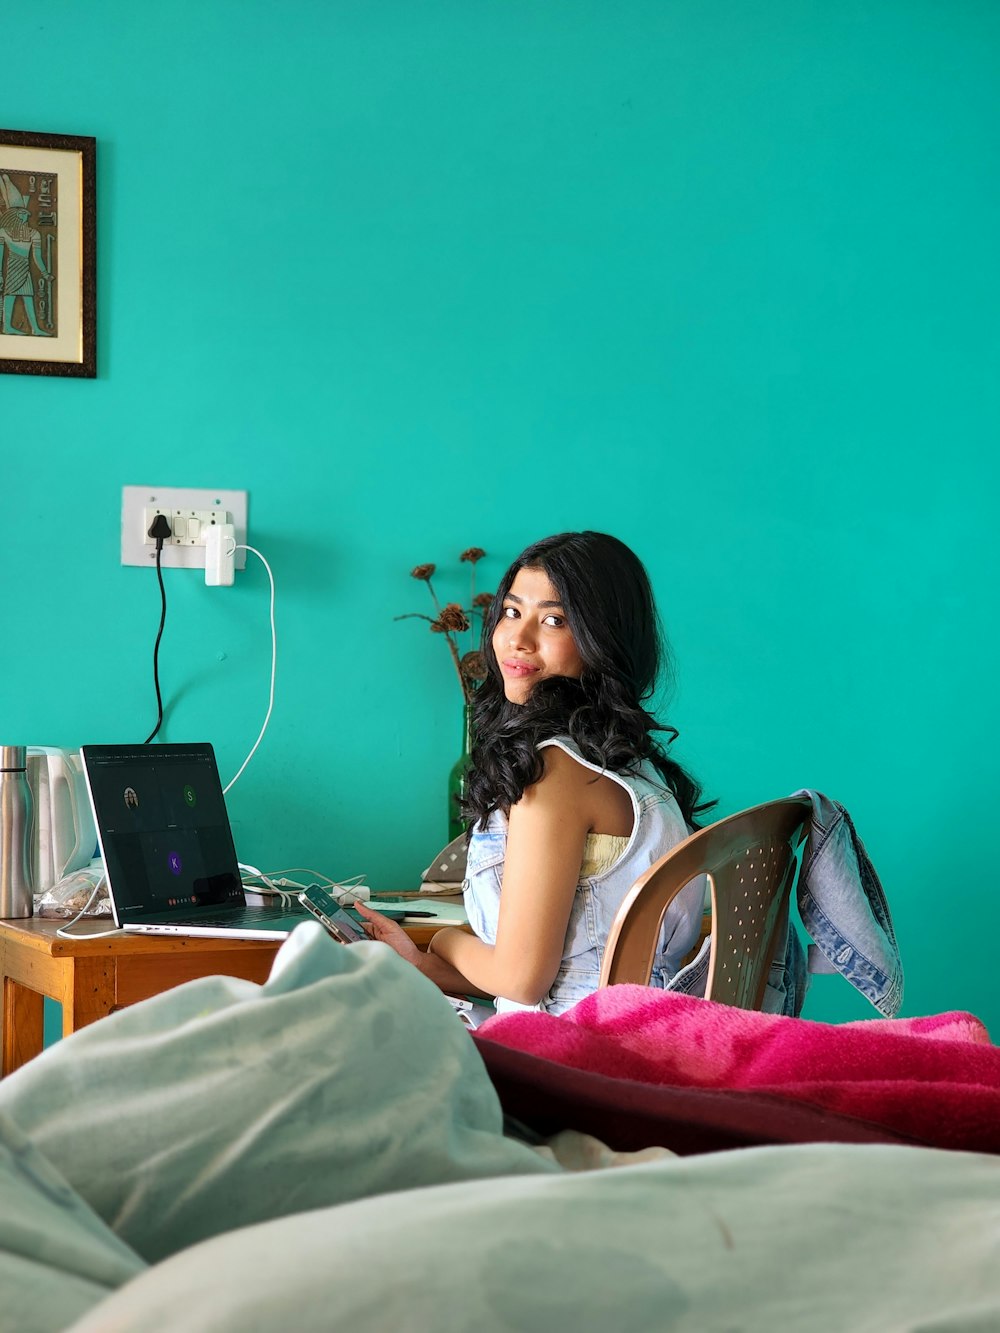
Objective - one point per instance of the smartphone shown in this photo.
(326, 908)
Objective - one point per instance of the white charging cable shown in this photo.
(274, 659)
(66, 933)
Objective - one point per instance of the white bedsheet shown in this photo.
(824, 1238)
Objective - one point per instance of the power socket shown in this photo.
(190, 511)
(187, 526)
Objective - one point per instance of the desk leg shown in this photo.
(23, 1032)
(90, 994)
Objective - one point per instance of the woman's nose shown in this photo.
(520, 635)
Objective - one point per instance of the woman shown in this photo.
(571, 798)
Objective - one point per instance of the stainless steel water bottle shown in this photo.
(15, 834)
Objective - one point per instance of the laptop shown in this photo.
(167, 845)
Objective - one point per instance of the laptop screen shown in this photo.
(163, 828)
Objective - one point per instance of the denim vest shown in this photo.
(657, 825)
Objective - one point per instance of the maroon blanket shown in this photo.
(932, 1080)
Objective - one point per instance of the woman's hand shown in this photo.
(379, 927)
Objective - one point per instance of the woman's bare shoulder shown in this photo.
(568, 785)
(561, 766)
(562, 782)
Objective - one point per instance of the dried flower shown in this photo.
(453, 619)
(473, 666)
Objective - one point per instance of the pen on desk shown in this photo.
(394, 911)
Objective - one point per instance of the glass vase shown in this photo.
(458, 778)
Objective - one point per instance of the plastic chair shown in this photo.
(751, 864)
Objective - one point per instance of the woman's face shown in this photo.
(532, 640)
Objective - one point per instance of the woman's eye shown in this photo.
(556, 622)
(509, 612)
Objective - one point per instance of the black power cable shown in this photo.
(160, 530)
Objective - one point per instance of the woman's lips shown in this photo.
(519, 669)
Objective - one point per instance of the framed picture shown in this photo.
(48, 269)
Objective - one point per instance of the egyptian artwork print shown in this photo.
(29, 252)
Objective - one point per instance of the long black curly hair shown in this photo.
(606, 595)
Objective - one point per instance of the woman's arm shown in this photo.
(547, 831)
(379, 927)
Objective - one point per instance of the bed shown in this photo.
(333, 1150)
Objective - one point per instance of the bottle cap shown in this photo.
(12, 758)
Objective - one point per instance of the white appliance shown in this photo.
(63, 837)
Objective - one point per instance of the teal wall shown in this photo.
(719, 278)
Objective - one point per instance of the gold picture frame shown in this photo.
(48, 255)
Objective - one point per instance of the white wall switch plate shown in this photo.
(186, 509)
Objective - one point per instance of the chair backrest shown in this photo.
(751, 864)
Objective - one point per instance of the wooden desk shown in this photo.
(91, 977)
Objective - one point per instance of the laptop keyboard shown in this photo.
(246, 916)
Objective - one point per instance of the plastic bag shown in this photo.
(81, 893)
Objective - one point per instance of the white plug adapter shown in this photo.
(220, 549)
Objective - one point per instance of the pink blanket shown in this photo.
(934, 1079)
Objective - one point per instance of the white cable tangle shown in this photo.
(277, 883)
(274, 660)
